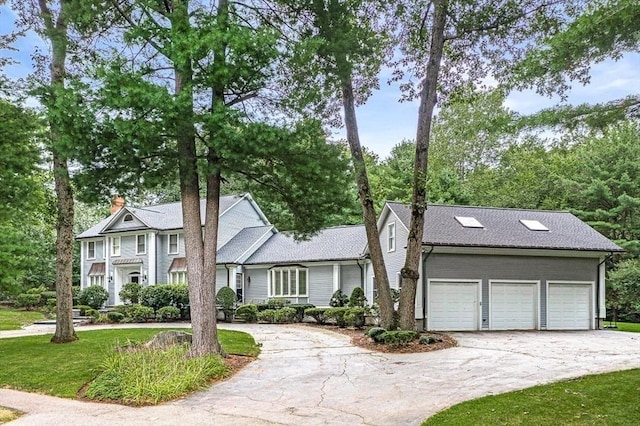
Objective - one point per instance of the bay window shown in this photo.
(288, 282)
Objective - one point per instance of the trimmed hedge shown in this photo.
(268, 315)
(115, 317)
(161, 295)
(284, 315)
(357, 298)
(226, 300)
(167, 313)
(338, 299)
(300, 310)
(338, 315)
(375, 333)
(398, 337)
(248, 312)
(130, 293)
(93, 296)
(318, 314)
(355, 316)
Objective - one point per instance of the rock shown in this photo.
(165, 339)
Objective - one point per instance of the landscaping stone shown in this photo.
(165, 339)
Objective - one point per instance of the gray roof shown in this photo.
(502, 228)
(337, 243)
(161, 217)
(241, 243)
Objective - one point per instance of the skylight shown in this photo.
(533, 225)
(469, 222)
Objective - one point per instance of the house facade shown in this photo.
(481, 269)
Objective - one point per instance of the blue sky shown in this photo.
(383, 121)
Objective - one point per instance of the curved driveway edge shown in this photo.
(309, 376)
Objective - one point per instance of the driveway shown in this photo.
(309, 376)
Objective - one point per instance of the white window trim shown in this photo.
(271, 288)
(96, 280)
(177, 243)
(391, 237)
(127, 218)
(89, 257)
(113, 246)
(138, 244)
(174, 277)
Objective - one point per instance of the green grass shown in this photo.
(605, 399)
(624, 326)
(14, 319)
(35, 365)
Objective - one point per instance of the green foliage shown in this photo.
(318, 314)
(93, 296)
(375, 333)
(277, 302)
(115, 317)
(623, 295)
(130, 293)
(300, 310)
(248, 312)
(338, 315)
(428, 340)
(27, 301)
(140, 313)
(83, 309)
(397, 337)
(13, 319)
(284, 315)
(167, 313)
(357, 298)
(338, 299)
(226, 300)
(160, 295)
(75, 293)
(355, 317)
(268, 315)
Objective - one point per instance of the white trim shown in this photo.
(478, 283)
(94, 250)
(382, 218)
(602, 309)
(592, 296)
(116, 216)
(297, 293)
(336, 277)
(112, 247)
(138, 244)
(107, 257)
(536, 299)
(151, 277)
(82, 277)
(177, 234)
(391, 241)
(306, 264)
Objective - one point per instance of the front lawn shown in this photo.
(603, 399)
(14, 319)
(33, 364)
(624, 326)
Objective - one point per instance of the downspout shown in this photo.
(226, 266)
(424, 289)
(361, 274)
(598, 284)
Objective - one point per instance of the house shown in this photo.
(481, 269)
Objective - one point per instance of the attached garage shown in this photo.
(569, 306)
(513, 305)
(454, 305)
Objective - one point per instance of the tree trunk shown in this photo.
(56, 32)
(388, 318)
(409, 272)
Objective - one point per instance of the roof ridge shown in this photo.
(482, 207)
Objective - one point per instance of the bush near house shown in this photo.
(357, 298)
(355, 316)
(285, 315)
(93, 296)
(115, 317)
(136, 313)
(318, 314)
(397, 337)
(300, 310)
(167, 313)
(268, 315)
(27, 301)
(160, 295)
(277, 303)
(338, 299)
(248, 312)
(226, 300)
(130, 293)
(337, 314)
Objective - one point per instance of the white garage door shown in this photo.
(513, 306)
(453, 305)
(569, 307)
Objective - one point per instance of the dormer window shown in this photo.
(469, 222)
(128, 218)
(533, 225)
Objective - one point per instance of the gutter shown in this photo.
(424, 288)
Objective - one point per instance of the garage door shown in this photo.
(453, 305)
(569, 307)
(513, 306)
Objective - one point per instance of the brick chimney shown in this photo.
(117, 202)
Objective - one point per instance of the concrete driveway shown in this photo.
(308, 376)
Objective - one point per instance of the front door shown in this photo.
(130, 274)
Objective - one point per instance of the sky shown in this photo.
(383, 122)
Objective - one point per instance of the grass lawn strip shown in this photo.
(7, 415)
(604, 399)
(33, 364)
(14, 319)
(624, 326)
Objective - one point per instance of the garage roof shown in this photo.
(504, 228)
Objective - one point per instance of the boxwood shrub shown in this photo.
(338, 315)
(115, 316)
(268, 315)
(167, 313)
(375, 333)
(93, 296)
(248, 312)
(355, 316)
(284, 315)
(300, 310)
(160, 295)
(398, 337)
(318, 314)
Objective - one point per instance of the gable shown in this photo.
(125, 221)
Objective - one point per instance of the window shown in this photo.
(391, 237)
(533, 225)
(141, 244)
(91, 250)
(96, 280)
(115, 246)
(178, 277)
(127, 218)
(173, 244)
(469, 222)
(288, 282)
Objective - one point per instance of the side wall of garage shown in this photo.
(517, 268)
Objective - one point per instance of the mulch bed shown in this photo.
(358, 338)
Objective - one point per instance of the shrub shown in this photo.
(160, 295)
(114, 316)
(93, 296)
(130, 293)
(338, 315)
(284, 315)
(83, 309)
(277, 303)
(27, 301)
(355, 316)
(248, 312)
(300, 310)
(268, 315)
(45, 296)
(398, 337)
(167, 313)
(318, 314)
(226, 300)
(338, 299)
(375, 332)
(93, 313)
(357, 299)
(428, 340)
(75, 293)
(139, 313)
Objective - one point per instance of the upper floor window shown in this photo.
(91, 249)
(115, 246)
(174, 248)
(141, 244)
(391, 236)
(288, 282)
(128, 218)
